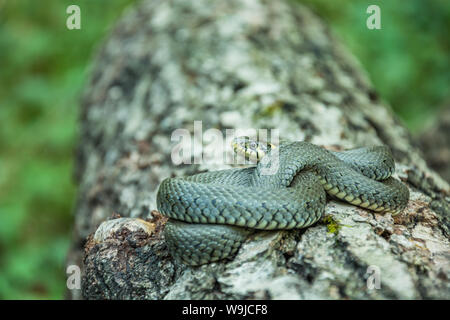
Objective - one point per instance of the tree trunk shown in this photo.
(435, 141)
(243, 64)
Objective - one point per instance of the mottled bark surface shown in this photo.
(435, 143)
(242, 64)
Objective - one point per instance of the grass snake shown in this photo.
(211, 214)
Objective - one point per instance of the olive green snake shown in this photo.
(211, 214)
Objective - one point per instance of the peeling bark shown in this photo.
(242, 64)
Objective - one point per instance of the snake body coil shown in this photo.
(211, 214)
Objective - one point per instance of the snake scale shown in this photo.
(211, 214)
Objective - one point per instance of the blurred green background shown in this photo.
(43, 68)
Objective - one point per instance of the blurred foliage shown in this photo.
(407, 59)
(44, 66)
(42, 71)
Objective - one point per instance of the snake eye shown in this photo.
(253, 145)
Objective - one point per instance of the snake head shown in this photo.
(251, 149)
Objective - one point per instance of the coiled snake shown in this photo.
(211, 214)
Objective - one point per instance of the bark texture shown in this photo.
(242, 64)
(435, 143)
